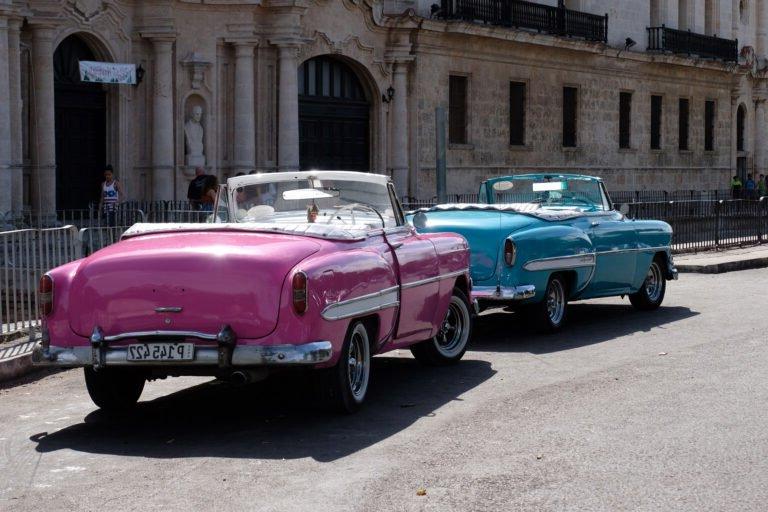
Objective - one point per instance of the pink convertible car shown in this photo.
(315, 269)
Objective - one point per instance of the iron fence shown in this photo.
(690, 43)
(24, 256)
(530, 15)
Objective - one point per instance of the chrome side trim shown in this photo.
(560, 262)
(169, 309)
(387, 298)
(504, 293)
(635, 249)
(246, 355)
(159, 334)
(421, 282)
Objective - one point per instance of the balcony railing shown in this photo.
(690, 43)
(530, 15)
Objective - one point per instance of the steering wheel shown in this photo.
(352, 207)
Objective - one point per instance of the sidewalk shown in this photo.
(717, 262)
(16, 358)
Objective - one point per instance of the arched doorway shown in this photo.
(81, 127)
(334, 113)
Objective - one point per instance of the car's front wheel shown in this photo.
(450, 342)
(114, 389)
(651, 293)
(347, 382)
(551, 311)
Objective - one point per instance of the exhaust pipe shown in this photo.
(242, 377)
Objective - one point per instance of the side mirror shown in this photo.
(624, 208)
(420, 220)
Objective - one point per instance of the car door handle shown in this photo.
(595, 223)
(396, 245)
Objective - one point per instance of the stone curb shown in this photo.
(16, 360)
(723, 266)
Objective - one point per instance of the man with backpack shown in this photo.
(197, 188)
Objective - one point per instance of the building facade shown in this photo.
(649, 94)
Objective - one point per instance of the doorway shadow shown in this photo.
(587, 324)
(275, 419)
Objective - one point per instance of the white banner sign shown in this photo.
(107, 72)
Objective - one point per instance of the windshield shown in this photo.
(314, 200)
(554, 191)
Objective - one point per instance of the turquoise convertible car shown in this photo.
(538, 241)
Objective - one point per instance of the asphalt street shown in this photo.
(623, 410)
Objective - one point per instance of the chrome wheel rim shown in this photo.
(653, 282)
(452, 336)
(555, 301)
(358, 362)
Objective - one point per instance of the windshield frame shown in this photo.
(486, 193)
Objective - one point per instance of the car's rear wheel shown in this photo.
(651, 293)
(551, 312)
(450, 342)
(347, 382)
(114, 389)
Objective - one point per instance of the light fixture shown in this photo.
(386, 98)
(139, 74)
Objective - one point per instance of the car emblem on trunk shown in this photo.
(170, 309)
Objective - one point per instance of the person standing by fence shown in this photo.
(111, 193)
(736, 187)
(761, 187)
(750, 188)
(196, 188)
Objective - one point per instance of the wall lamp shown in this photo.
(386, 98)
(139, 74)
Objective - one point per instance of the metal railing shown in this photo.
(707, 225)
(529, 15)
(690, 43)
(24, 256)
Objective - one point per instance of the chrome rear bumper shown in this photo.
(501, 293)
(249, 355)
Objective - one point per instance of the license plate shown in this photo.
(161, 352)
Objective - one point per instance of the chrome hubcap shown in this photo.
(358, 361)
(452, 336)
(653, 282)
(555, 301)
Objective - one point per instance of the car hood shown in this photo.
(485, 231)
(215, 278)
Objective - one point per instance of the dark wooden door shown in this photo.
(81, 128)
(333, 117)
(80, 147)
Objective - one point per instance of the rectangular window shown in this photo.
(517, 114)
(682, 124)
(625, 119)
(570, 108)
(655, 122)
(709, 126)
(457, 110)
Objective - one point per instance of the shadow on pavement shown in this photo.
(587, 324)
(273, 420)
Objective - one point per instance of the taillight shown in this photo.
(45, 295)
(510, 252)
(300, 292)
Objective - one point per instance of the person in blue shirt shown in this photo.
(750, 187)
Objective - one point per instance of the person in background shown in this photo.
(111, 193)
(736, 187)
(209, 193)
(197, 188)
(761, 186)
(750, 188)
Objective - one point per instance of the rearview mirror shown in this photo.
(624, 208)
(420, 220)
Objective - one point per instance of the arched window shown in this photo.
(656, 19)
(684, 14)
(741, 116)
(710, 17)
(744, 11)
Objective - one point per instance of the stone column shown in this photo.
(162, 121)
(17, 158)
(288, 110)
(762, 29)
(760, 132)
(245, 107)
(5, 121)
(399, 119)
(43, 112)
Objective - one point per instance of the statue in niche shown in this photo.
(193, 134)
